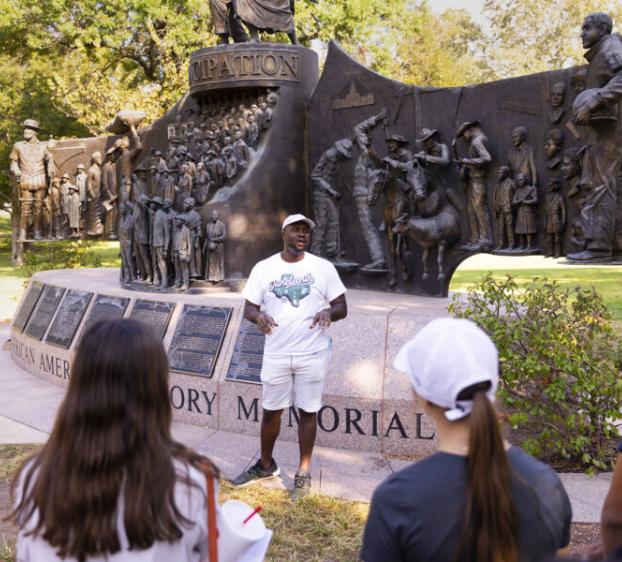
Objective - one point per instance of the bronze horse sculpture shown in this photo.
(400, 183)
(436, 226)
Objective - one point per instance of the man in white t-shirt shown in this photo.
(293, 297)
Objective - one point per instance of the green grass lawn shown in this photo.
(606, 280)
(42, 256)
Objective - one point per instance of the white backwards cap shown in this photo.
(291, 219)
(446, 356)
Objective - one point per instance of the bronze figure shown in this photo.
(192, 220)
(325, 197)
(226, 24)
(31, 165)
(596, 109)
(400, 177)
(502, 206)
(557, 111)
(553, 145)
(141, 231)
(215, 233)
(269, 16)
(161, 239)
(520, 156)
(94, 225)
(182, 250)
(74, 206)
(110, 193)
(525, 201)
(56, 209)
(472, 171)
(126, 241)
(554, 217)
(365, 176)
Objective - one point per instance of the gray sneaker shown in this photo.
(256, 473)
(302, 485)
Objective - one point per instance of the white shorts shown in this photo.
(299, 375)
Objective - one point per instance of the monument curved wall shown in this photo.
(215, 356)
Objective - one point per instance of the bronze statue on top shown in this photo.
(270, 16)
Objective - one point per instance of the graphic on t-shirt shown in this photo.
(293, 288)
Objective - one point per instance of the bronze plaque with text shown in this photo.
(198, 339)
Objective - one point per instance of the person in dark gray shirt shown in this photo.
(477, 499)
(418, 513)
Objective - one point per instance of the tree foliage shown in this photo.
(430, 49)
(560, 366)
(534, 36)
(73, 64)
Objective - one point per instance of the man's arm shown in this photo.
(253, 314)
(320, 173)
(483, 156)
(338, 311)
(609, 94)
(443, 160)
(14, 158)
(135, 144)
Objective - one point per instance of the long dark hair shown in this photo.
(490, 532)
(111, 436)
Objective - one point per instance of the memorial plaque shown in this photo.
(106, 308)
(43, 313)
(28, 305)
(198, 338)
(69, 317)
(154, 314)
(247, 356)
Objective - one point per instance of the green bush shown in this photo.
(560, 365)
(60, 255)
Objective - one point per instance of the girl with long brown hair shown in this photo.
(477, 499)
(111, 483)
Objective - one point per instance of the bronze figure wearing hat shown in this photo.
(325, 195)
(473, 171)
(32, 166)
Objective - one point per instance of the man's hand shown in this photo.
(321, 319)
(335, 194)
(589, 104)
(583, 115)
(337, 311)
(265, 323)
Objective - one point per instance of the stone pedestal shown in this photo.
(368, 405)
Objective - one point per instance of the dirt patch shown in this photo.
(584, 537)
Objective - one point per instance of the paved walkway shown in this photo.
(28, 407)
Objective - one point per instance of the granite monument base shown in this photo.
(216, 358)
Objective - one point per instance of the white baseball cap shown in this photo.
(291, 219)
(446, 356)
